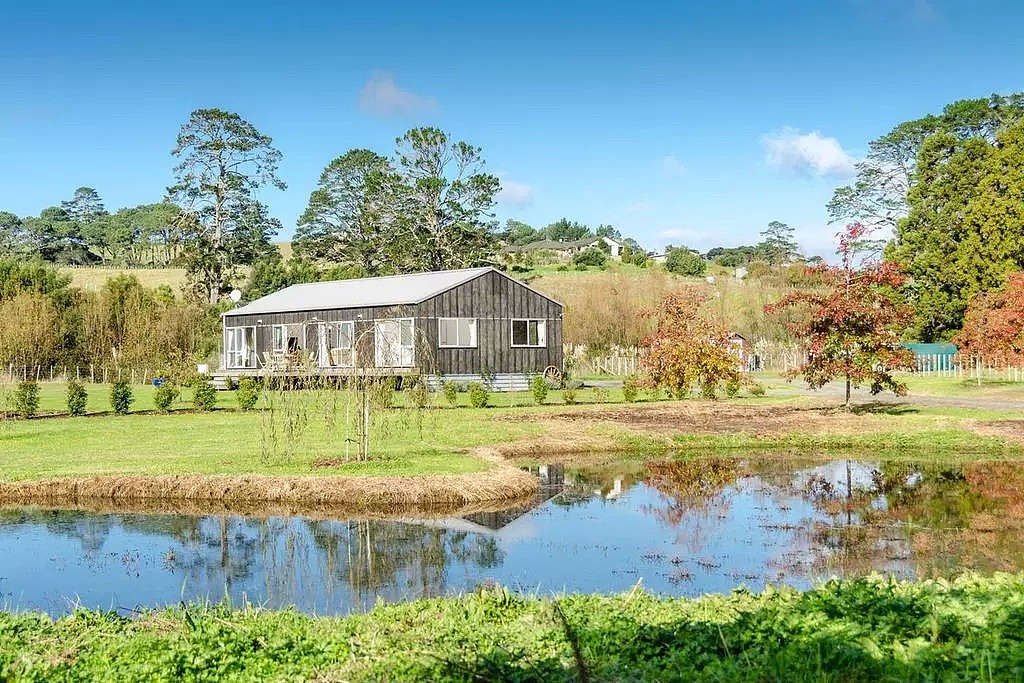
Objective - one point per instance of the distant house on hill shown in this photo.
(567, 250)
(458, 325)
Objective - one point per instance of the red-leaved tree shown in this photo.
(994, 324)
(688, 347)
(854, 321)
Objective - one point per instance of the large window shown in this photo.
(278, 338)
(394, 343)
(240, 347)
(456, 332)
(529, 333)
(336, 342)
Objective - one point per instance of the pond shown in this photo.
(677, 527)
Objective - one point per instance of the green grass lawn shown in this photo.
(230, 442)
(964, 388)
(53, 398)
(870, 629)
(404, 441)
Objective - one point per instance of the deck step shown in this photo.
(220, 382)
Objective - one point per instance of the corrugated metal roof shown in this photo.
(391, 290)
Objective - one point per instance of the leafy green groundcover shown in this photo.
(869, 629)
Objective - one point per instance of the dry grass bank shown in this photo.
(264, 509)
(579, 433)
(92, 279)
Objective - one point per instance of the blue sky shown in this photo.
(688, 123)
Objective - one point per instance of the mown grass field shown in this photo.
(969, 629)
(92, 279)
(229, 442)
(313, 433)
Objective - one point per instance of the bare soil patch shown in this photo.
(1011, 430)
(587, 429)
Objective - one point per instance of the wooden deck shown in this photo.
(221, 378)
(314, 371)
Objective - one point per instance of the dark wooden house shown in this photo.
(458, 324)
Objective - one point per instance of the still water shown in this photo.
(680, 527)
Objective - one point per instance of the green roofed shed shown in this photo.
(933, 356)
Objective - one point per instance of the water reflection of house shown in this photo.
(498, 522)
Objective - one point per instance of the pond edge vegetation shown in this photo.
(864, 629)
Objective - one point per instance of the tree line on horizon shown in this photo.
(949, 188)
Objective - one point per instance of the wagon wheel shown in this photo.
(553, 374)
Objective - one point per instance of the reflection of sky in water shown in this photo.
(760, 528)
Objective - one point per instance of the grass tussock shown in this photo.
(869, 629)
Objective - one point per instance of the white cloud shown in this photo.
(515, 194)
(673, 166)
(811, 153)
(381, 97)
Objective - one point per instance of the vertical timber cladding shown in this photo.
(494, 300)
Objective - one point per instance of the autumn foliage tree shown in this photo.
(852, 324)
(687, 347)
(994, 324)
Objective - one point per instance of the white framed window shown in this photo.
(278, 338)
(456, 333)
(528, 332)
(394, 344)
(240, 347)
(336, 344)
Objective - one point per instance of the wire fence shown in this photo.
(92, 374)
(617, 361)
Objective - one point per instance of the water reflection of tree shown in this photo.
(903, 522)
(291, 558)
(371, 556)
(694, 492)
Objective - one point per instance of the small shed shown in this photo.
(933, 357)
(462, 325)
